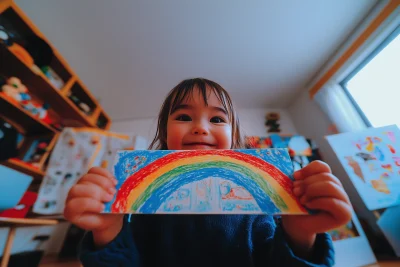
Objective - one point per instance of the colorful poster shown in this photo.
(77, 150)
(205, 181)
(301, 150)
(297, 144)
(371, 158)
(344, 232)
(258, 142)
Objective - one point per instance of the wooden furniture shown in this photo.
(13, 223)
(61, 100)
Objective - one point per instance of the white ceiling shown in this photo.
(131, 53)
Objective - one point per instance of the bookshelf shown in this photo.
(65, 103)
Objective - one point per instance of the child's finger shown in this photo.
(91, 191)
(339, 210)
(313, 168)
(324, 189)
(328, 177)
(98, 180)
(75, 207)
(101, 171)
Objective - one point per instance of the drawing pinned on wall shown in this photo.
(205, 181)
(257, 142)
(297, 144)
(344, 232)
(76, 150)
(371, 158)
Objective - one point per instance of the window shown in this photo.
(374, 87)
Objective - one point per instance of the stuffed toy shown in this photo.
(16, 90)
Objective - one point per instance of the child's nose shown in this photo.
(199, 130)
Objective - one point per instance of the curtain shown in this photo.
(335, 103)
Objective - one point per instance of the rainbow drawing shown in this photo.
(255, 181)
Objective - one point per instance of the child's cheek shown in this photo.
(224, 138)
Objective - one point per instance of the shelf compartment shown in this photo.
(103, 121)
(24, 120)
(13, 20)
(38, 85)
(78, 93)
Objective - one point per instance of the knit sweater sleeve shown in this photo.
(121, 251)
(271, 248)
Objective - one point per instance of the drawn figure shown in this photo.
(356, 167)
(387, 167)
(391, 136)
(391, 148)
(380, 186)
(365, 156)
(379, 154)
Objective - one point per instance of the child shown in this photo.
(199, 114)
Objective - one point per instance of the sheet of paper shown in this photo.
(371, 158)
(255, 181)
(77, 150)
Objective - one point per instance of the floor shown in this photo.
(51, 261)
(77, 264)
(386, 264)
(62, 264)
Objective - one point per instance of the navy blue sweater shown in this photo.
(201, 240)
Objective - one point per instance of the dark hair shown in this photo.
(179, 94)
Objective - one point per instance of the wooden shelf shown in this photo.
(37, 174)
(84, 96)
(29, 123)
(67, 86)
(38, 85)
(25, 221)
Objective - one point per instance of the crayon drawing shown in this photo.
(204, 181)
(371, 158)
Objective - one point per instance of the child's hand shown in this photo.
(318, 189)
(86, 200)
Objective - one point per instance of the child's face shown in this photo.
(193, 125)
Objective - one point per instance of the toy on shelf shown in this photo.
(36, 151)
(8, 34)
(271, 122)
(5, 36)
(53, 77)
(15, 90)
(22, 54)
(81, 105)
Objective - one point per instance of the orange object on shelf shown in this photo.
(26, 163)
(22, 54)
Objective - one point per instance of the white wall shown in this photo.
(144, 127)
(312, 122)
(252, 122)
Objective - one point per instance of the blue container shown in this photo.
(13, 185)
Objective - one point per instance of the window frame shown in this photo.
(394, 34)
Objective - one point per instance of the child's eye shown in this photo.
(217, 120)
(183, 118)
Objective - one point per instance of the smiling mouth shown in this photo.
(199, 144)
